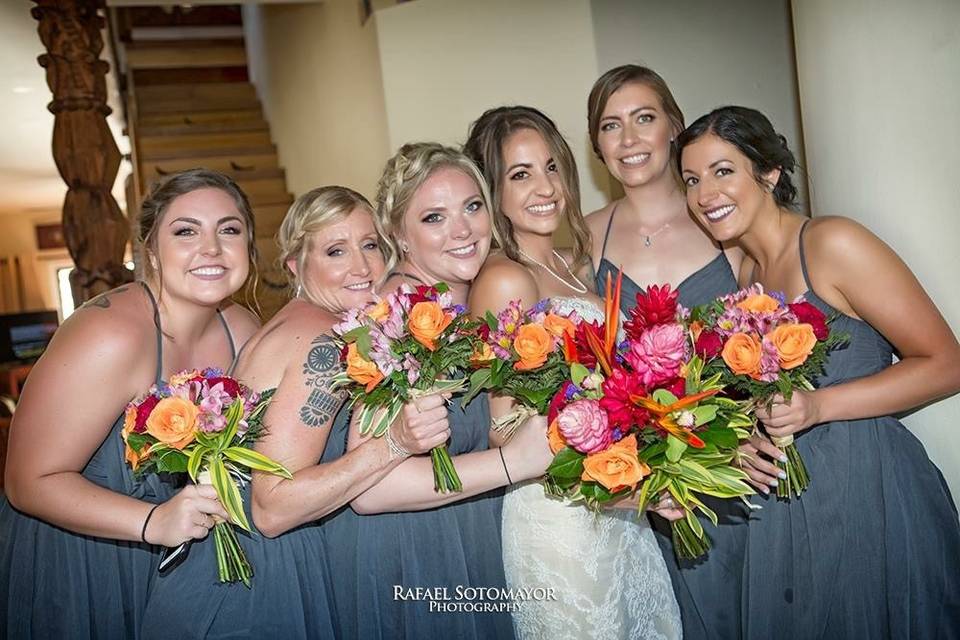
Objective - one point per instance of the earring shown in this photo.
(296, 294)
(404, 247)
(153, 261)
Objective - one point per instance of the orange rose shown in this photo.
(742, 354)
(379, 311)
(129, 421)
(616, 467)
(361, 370)
(482, 354)
(427, 321)
(134, 458)
(558, 325)
(533, 345)
(696, 328)
(173, 422)
(759, 303)
(555, 438)
(794, 343)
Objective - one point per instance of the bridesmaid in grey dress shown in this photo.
(401, 537)
(872, 548)
(77, 530)
(330, 246)
(649, 233)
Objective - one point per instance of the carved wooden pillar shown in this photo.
(84, 150)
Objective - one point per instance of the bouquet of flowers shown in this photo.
(521, 355)
(204, 423)
(766, 346)
(642, 413)
(412, 343)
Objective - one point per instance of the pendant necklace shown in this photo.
(583, 287)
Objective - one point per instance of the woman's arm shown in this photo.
(409, 487)
(299, 420)
(858, 274)
(73, 396)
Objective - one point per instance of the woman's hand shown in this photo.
(422, 424)
(754, 458)
(188, 515)
(787, 418)
(666, 508)
(528, 454)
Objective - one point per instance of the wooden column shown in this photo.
(84, 150)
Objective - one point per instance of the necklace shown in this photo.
(647, 238)
(583, 287)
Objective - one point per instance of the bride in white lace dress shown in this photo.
(606, 571)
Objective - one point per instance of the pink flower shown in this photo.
(583, 425)
(769, 361)
(659, 353)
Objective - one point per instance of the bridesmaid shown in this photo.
(432, 205)
(531, 172)
(77, 529)
(633, 122)
(872, 548)
(329, 244)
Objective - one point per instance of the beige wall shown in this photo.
(446, 61)
(18, 238)
(318, 75)
(880, 101)
(710, 54)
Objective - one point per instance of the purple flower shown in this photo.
(412, 367)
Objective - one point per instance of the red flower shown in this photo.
(585, 354)
(558, 402)
(677, 386)
(809, 314)
(143, 412)
(657, 306)
(230, 386)
(484, 331)
(423, 293)
(621, 412)
(708, 345)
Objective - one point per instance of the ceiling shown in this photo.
(29, 180)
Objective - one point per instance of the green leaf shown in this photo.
(567, 463)
(138, 441)
(227, 492)
(722, 437)
(491, 320)
(170, 461)
(234, 413)
(256, 461)
(479, 380)
(195, 461)
(664, 397)
(675, 448)
(578, 372)
(704, 414)
(694, 523)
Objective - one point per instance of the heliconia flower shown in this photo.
(622, 412)
(585, 355)
(583, 425)
(657, 305)
(659, 353)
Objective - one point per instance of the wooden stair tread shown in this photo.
(152, 77)
(198, 154)
(196, 91)
(165, 58)
(150, 146)
(192, 127)
(227, 103)
(212, 117)
(183, 43)
(234, 165)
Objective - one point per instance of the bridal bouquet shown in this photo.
(766, 346)
(642, 415)
(412, 343)
(521, 355)
(204, 423)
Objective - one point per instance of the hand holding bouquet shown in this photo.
(521, 356)
(410, 344)
(766, 347)
(642, 414)
(203, 423)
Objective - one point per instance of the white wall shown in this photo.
(446, 61)
(880, 98)
(711, 54)
(317, 72)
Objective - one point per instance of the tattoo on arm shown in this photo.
(322, 363)
(103, 300)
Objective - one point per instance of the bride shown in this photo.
(607, 572)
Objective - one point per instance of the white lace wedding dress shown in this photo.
(606, 570)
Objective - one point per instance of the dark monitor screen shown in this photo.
(24, 336)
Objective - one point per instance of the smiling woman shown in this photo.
(79, 530)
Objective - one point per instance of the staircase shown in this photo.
(190, 104)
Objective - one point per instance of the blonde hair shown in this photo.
(611, 82)
(403, 175)
(485, 144)
(309, 213)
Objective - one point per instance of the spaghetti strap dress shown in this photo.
(872, 547)
(707, 589)
(58, 584)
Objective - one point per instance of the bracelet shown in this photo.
(505, 470)
(396, 451)
(146, 521)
